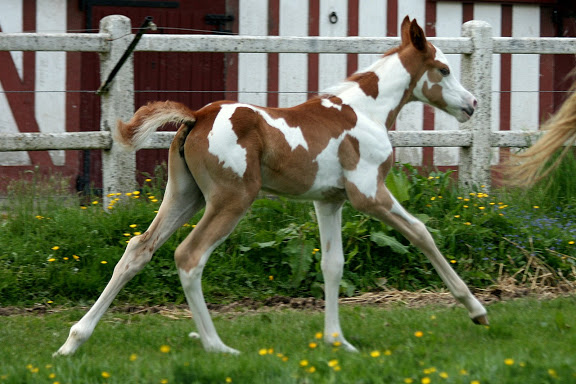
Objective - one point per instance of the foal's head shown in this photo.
(432, 80)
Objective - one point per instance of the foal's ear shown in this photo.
(417, 37)
(405, 31)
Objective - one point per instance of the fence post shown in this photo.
(118, 165)
(477, 78)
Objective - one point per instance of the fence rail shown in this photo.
(475, 137)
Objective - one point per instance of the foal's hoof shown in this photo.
(481, 320)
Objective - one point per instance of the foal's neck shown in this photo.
(380, 91)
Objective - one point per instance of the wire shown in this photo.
(234, 91)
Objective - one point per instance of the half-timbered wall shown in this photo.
(518, 79)
(33, 84)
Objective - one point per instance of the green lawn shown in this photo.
(529, 341)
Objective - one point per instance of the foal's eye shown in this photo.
(444, 71)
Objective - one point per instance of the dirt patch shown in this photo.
(411, 299)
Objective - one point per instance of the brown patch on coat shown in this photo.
(368, 82)
(349, 153)
(379, 204)
(434, 95)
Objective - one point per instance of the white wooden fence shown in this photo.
(475, 138)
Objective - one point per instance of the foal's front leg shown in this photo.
(330, 224)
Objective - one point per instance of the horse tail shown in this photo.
(530, 166)
(148, 119)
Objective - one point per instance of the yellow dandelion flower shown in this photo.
(408, 380)
(552, 373)
(137, 233)
(375, 353)
(55, 248)
(95, 202)
(453, 261)
(433, 198)
(571, 242)
(426, 380)
(433, 317)
(148, 180)
(509, 361)
(228, 379)
(465, 206)
(83, 207)
(51, 259)
(52, 375)
(311, 369)
(467, 223)
(133, 225)
(443, 375)
(457, 216)
(536, 207)
(332, 363)
(127, 234)
(65, 258)
(335, 334)
(387, 352)
(337, 368)
(271, 278)
(133, 357)
(418, 333)
(481, 208)
(263, 352)
(48, 366)
(164, 348)
(270, 351)
(154, 200)
(106, 375)
(475, 382)
(164, 381)
(337, 344)
(285, 358)
(312, 345)
(103, 262)
(129, 194)
(136, 193)
(303, 363)
(430, 370)
(318, 335)
(49, 301)
(463, 372)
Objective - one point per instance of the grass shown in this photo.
(529, 341)
(275, 249)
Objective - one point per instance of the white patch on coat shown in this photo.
(328, 104)
(223, 141)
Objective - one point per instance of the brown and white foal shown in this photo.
(329, 149)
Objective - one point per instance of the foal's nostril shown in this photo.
(475, 103)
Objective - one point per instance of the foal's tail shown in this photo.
(147, 119)
(531, 166)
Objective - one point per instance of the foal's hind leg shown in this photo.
(181, 200)
(221, 216)
(386, 208)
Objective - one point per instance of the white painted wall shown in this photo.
(372, 22)
(50, 108)
(293, 71)
(410, 118)
(332, 67)
(253, 67)
(448, 23)
(11, 22)
(524, 103)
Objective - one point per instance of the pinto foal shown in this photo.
(329, 149)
